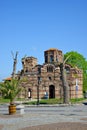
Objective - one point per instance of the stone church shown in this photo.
(45, 79)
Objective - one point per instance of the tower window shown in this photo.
(49, 69)
(51, 58)
(39, 70)
(56, 58)
(46, 59)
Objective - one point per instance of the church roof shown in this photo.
(53, 49)
(7, 79)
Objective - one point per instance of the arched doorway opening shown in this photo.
(51, 91)
(29, 93)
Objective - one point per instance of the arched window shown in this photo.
(26, 69)
(51, 58)
(50, 78)
(46, 58)
(50, 69)
(67, 70)
(39, 70)
(29, 93)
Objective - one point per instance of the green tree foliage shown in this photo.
(78, 60)
(10, 89)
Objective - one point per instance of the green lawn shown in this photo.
(2, 100)
(44, 101)
(54, 101)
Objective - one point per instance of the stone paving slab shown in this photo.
(9, 116)
(1, 126)
(59, 126)
(45, 118)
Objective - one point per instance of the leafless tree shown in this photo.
(64, 81)
(14, 64)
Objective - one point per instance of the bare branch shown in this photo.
(12, 54)
(66, 59)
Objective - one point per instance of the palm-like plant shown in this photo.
(10, 89)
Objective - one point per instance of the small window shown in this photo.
(67, 70)
(60, 77)
(50, 78)
(56, 59)
(26, 70)
(23, 62)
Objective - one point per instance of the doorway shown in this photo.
(29, 93)
(51, 91)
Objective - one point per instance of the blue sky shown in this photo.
(33, 26)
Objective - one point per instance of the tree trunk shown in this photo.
(14, 65)
(65, 84)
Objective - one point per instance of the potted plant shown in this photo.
(10, 89)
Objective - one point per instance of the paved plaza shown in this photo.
(58, 117)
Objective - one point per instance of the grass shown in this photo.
(54, 101)
(2, 100)
(77, 100)
(44, 101)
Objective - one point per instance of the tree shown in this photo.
(10, 89)
(64, 81)
(14, 64)
(78, 60)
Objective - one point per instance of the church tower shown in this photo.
(29, 63)
(53, 56)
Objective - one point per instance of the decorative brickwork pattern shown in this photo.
(47, 77)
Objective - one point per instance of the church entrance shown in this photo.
(51, 91)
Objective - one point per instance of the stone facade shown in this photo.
(46, 79)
